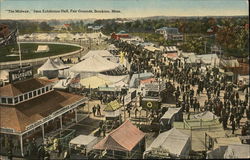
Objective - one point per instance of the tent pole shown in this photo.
(61, 122)
(76, 115)
(42, 131)
(21, 144)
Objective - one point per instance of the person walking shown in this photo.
(94, 110)
(233, 126)
(98, 109)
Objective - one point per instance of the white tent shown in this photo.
(211, 59)
(172, 143)
(48, 69)
(231, 151)
(42, 48)
(59, 64)
(169, 117)
(207, 115)
(237, 151)
(102, 53)
(115, 79)
(85, 141)
(94, 64)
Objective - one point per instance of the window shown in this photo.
(30, 95)
(16, 99)
(47, 88)
(39, 92)
(10, 101)
(21, 98)
(34, 93)
(26, 96)
(43, 90)
(3, 100)
(50, 87)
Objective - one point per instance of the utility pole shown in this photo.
(205, 47)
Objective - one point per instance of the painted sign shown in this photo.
(20, 74)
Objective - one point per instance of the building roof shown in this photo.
(112, 106)
(135, 78)
(12, 90)
(124, 138)
(19, 116)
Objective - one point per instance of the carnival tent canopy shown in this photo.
(172, 142)
(83, 140)
(170, 113)
(49, 65)
(135, 78)
(112, 106)
(229, 63)
(94, 82)
(115, 79)
(207, 115)
(58, 62)
(102, 53)
(237, 151)
(94, 64)
(208, 58)
(124, 138)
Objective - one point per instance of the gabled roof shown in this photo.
(12, 90)
(124, 138)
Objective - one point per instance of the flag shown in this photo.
(10, 39)
(121, 57)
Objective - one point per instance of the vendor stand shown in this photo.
(112, 114)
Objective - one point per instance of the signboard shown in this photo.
(150, 104)
(127, 99)
(20, 74)
(156, 86)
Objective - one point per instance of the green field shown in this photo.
(28, 51)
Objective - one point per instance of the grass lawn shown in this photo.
(28, 51)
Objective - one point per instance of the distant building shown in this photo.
(170, 33)
(62, 27)
(95, 28)
(121, 34)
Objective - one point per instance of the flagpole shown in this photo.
(19, 49)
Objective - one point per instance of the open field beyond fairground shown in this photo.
(28, 51)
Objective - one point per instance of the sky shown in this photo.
(127, 8)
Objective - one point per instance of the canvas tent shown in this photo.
(122, 141)
(94, 82)
(93, 65)
(169, 117)
(171, 144)
(59, 64)
(42, 48)
(48, 69)
(84, 142)
(232, 151)
(207, 115)
(209, 59)
(102, 53)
